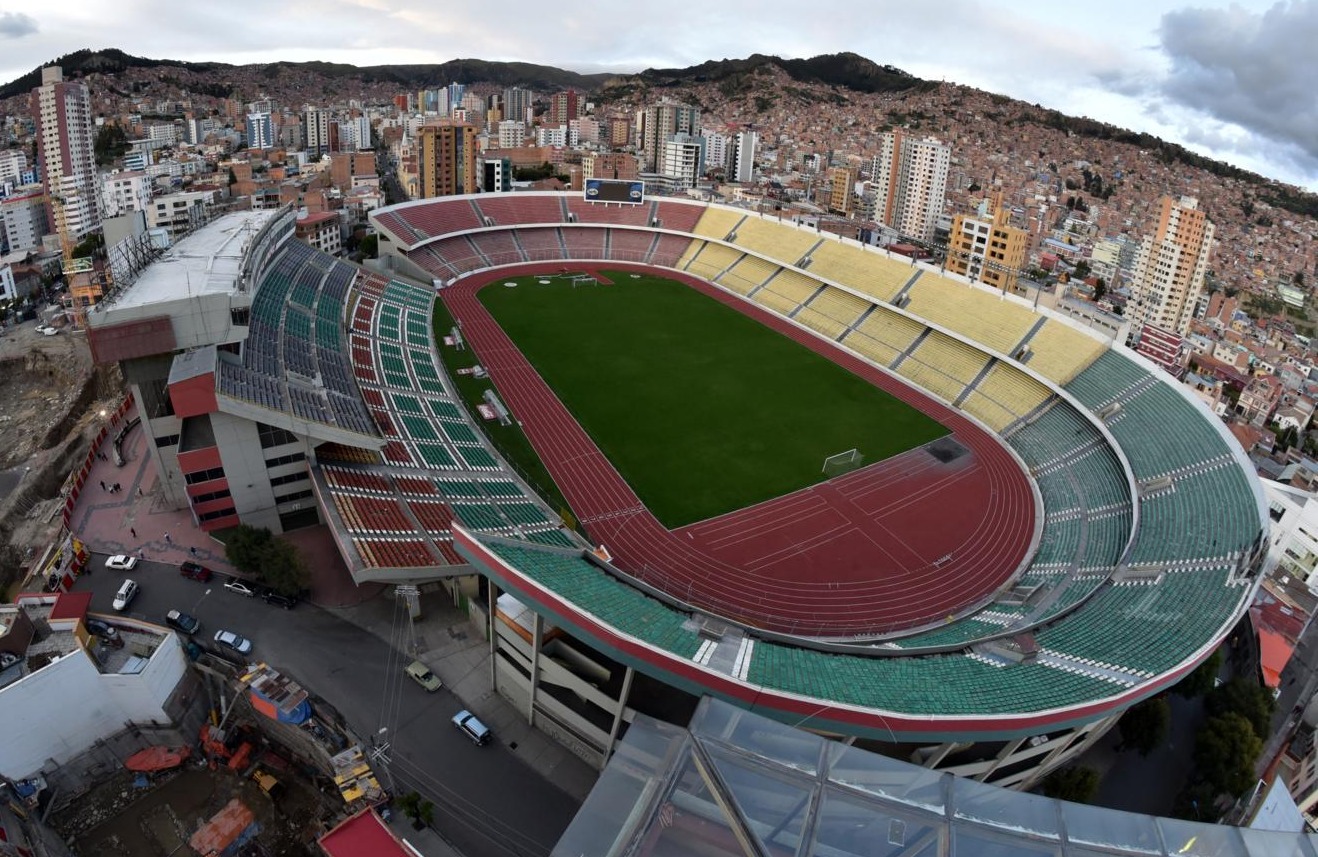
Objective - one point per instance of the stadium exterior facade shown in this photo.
(1152, 522)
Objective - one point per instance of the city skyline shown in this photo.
(1227, 81)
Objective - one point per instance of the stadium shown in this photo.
(975, 533)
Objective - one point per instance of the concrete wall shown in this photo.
(62, 709)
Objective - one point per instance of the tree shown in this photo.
(369, 246)
(1202, 679)
(244, 545)
(1100, 289)
(282, 568)
(1298, 279)
(1247, 699)
(1145, 726)
(1076, 783)
(420, 810)
(111, 142)
(1224, 753)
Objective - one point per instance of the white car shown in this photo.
(127, 592)
(46, 330)
(240, 588)
(120, 562)
(230, 640)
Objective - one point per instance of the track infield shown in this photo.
(701, 409)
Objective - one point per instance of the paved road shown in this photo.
(488, 803)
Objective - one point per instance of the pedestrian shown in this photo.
(116, 488)
(132, 532)
(192, 550)
(167, 540)
(103, 485)
(139, 491)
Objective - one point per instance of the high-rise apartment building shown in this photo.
(841, 189)
(260, 131)
(716, 148)
(446, 159)
(659, 122)
(512, 134)
(909, 179)
(517, 103)
(1170, 267)
(455, 92)
(986, 248)
(741, 156)
(316, 127)
(62, 111)
(125, 190)
(564, 107)
(682, 159)
(12, 165)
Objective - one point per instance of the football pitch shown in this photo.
(701, 409)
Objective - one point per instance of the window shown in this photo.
(296, 495)
(167, 440)
(211, 516)
(285, 459)
(214, 495)
(272, 436)
(240, 316)
(204, 475)
(290, 478)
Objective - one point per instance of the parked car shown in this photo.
(47, 330)
(240, 588)
(230, 640)
(195, 571)
(180, 621)
(101, 629)
(421, 674)
(276, 599)
(472, 728)
(120, 562)
(127, 592)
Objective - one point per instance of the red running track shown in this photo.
(898, 544)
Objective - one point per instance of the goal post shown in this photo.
(842, 462)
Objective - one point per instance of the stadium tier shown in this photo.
(1149, 524)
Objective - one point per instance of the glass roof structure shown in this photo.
(735, 783)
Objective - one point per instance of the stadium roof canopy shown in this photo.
(736, 783)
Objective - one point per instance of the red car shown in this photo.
(195, 571)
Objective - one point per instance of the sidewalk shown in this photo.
(135, 520)
(454, 650)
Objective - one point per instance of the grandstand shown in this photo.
(1149, 526)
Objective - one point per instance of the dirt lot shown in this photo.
(158, 819)
(50, 400)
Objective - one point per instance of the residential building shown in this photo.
(23, 217)
(62, 111)
(615, 165)
(551, 136)
(316, 127)
(985, 248)
(564, 107)
(179, 212)
(12, 165)
(659, 122)
(841, 189)
(1170, 267)
(741, 157)
(260, 131)
(351, 168)
(125, 190)
(446, 160)
(8, 289)
(517, 104)
(716, 149)
(909, 181)
(512, 133)
(683, 160)
(496, 175)
(321, 231)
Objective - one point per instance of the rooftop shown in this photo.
(208, 261)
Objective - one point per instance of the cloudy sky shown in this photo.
(1238, 82)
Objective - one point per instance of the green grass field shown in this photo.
(701, 409)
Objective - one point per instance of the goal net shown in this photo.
(842, 462)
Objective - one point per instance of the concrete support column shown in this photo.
(537, 629)
(617, 715)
